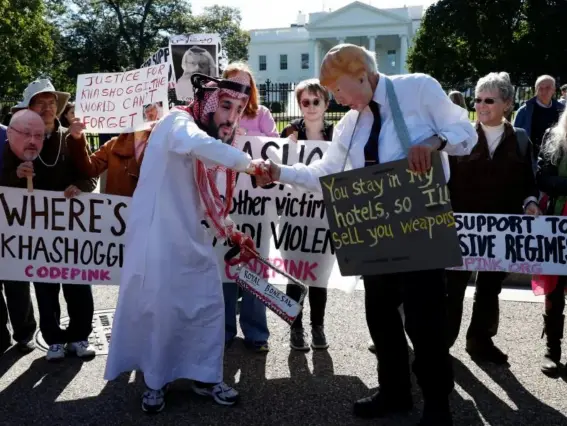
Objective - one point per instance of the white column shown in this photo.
(403, 53)
(316, 58)
(372, 43)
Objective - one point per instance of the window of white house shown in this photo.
(283, 62)
(262, 63)
(305, 61)
(392, 58)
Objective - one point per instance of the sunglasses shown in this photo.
(306, 102)
(487, 101)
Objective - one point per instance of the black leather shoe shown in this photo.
(486, 352)
(26, 346)
(378, 405)
(436, 415)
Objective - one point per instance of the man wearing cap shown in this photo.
(54, 170)
(368, 134)
(169, 321)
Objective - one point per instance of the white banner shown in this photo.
(122, 102)
(162, 56)
(521, 244)
(288, 225)
(45, 237)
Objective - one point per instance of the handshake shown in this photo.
(265, 171)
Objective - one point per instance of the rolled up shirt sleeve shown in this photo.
(450, 120)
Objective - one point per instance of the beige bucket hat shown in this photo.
(42, 86)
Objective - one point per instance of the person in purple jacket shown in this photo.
(256, 121)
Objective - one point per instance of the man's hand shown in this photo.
(76, 128)
(419, 156)
(72, 191)
(270, 173)
(532, 209)
(248, 249)
(293, 136)
(25, 169)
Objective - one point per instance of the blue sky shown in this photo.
(278, 13)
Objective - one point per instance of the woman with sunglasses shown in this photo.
(121, 157)
(497, 177)
(313, 101)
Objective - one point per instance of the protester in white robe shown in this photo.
(169, 321)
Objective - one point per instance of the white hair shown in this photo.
(499, 81)
(544, 78)
(556, 144)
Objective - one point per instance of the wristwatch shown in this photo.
(443, 140)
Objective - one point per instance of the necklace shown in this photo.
(58, 153)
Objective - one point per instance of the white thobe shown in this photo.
(169, 321)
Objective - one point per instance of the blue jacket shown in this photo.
(524, 115)
(3, 137)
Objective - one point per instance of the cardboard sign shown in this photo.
(193, 53)
(513, 243)
(45, 237)
(386, 219)
(122, 102)
(274, 299)
(162, 56)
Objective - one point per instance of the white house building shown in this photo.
(292, 54)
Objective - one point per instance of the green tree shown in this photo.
(225, 21)
(113, 35)
(460, 41)
(26, 44)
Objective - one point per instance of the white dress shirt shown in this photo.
(427, 111)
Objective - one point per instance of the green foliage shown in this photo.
(224, 21)
(460, 41)
(26, 44)
(63, 38)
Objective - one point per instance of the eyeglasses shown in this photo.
(487, 101)
(28, 135)
(306, 102)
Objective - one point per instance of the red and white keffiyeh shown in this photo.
(215, 209)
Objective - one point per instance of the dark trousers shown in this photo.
(423, 294)
(19, 306)
(486, 309)
(555, 301)
(317, 301)
(80, 306)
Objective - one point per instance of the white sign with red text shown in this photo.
(513, 243)
(45, 237)
(122, 102)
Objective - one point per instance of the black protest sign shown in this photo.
(387, 219)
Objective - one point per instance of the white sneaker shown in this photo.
(222, 393)
(55, 352)
(82, 349)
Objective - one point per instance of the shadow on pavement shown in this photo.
(528, 411)
(305, 397)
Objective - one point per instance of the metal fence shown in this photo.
(280, 100)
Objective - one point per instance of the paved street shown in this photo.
(292, 389)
